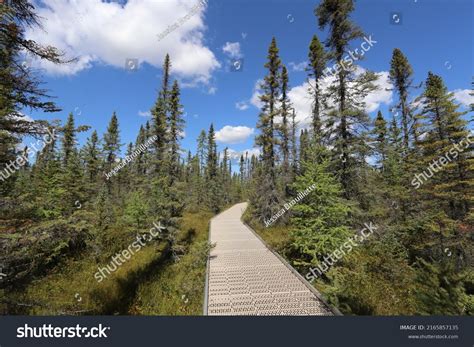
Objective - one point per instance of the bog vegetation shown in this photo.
(62, 217)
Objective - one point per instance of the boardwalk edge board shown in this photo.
(206, 280)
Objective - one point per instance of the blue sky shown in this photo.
(435, 35)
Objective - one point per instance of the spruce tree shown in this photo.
(284, 131)
(380, 140)
(136, 210)
(394, 170)
(175, 126)
(320, 219)
(305, 149)
(201, 161)
(140, 163)
(242, 169)
(20, 86)
(160, 113)
(72, 184)
(317, 64)
(126, 177)
(69, 139)
(212, 172)
(440, 289)
(112, 142)
(202, 150)
(72, 172)
(196, 186)
(268, 196)
(294, 145)
(47, 178)
(446, 143)
(188, 167)
(91, 157)
(349, 118)
(401, 77)
(226, 177)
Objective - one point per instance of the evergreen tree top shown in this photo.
(400, 69)
(335, 13)
(317, 58)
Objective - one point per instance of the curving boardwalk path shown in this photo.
(246, 278)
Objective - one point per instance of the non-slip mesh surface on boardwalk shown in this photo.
(245, 278)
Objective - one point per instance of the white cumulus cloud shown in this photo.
(242, 105)
(232, 49)
(144, 113)
(463, 96)
(380, 96)
(257, 92)
(231, 135)
(301, 101)
(235, 155)
(298, 67)
(99, 32)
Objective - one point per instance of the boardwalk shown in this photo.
(246, 278)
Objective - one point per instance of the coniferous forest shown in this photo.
(66, 208)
